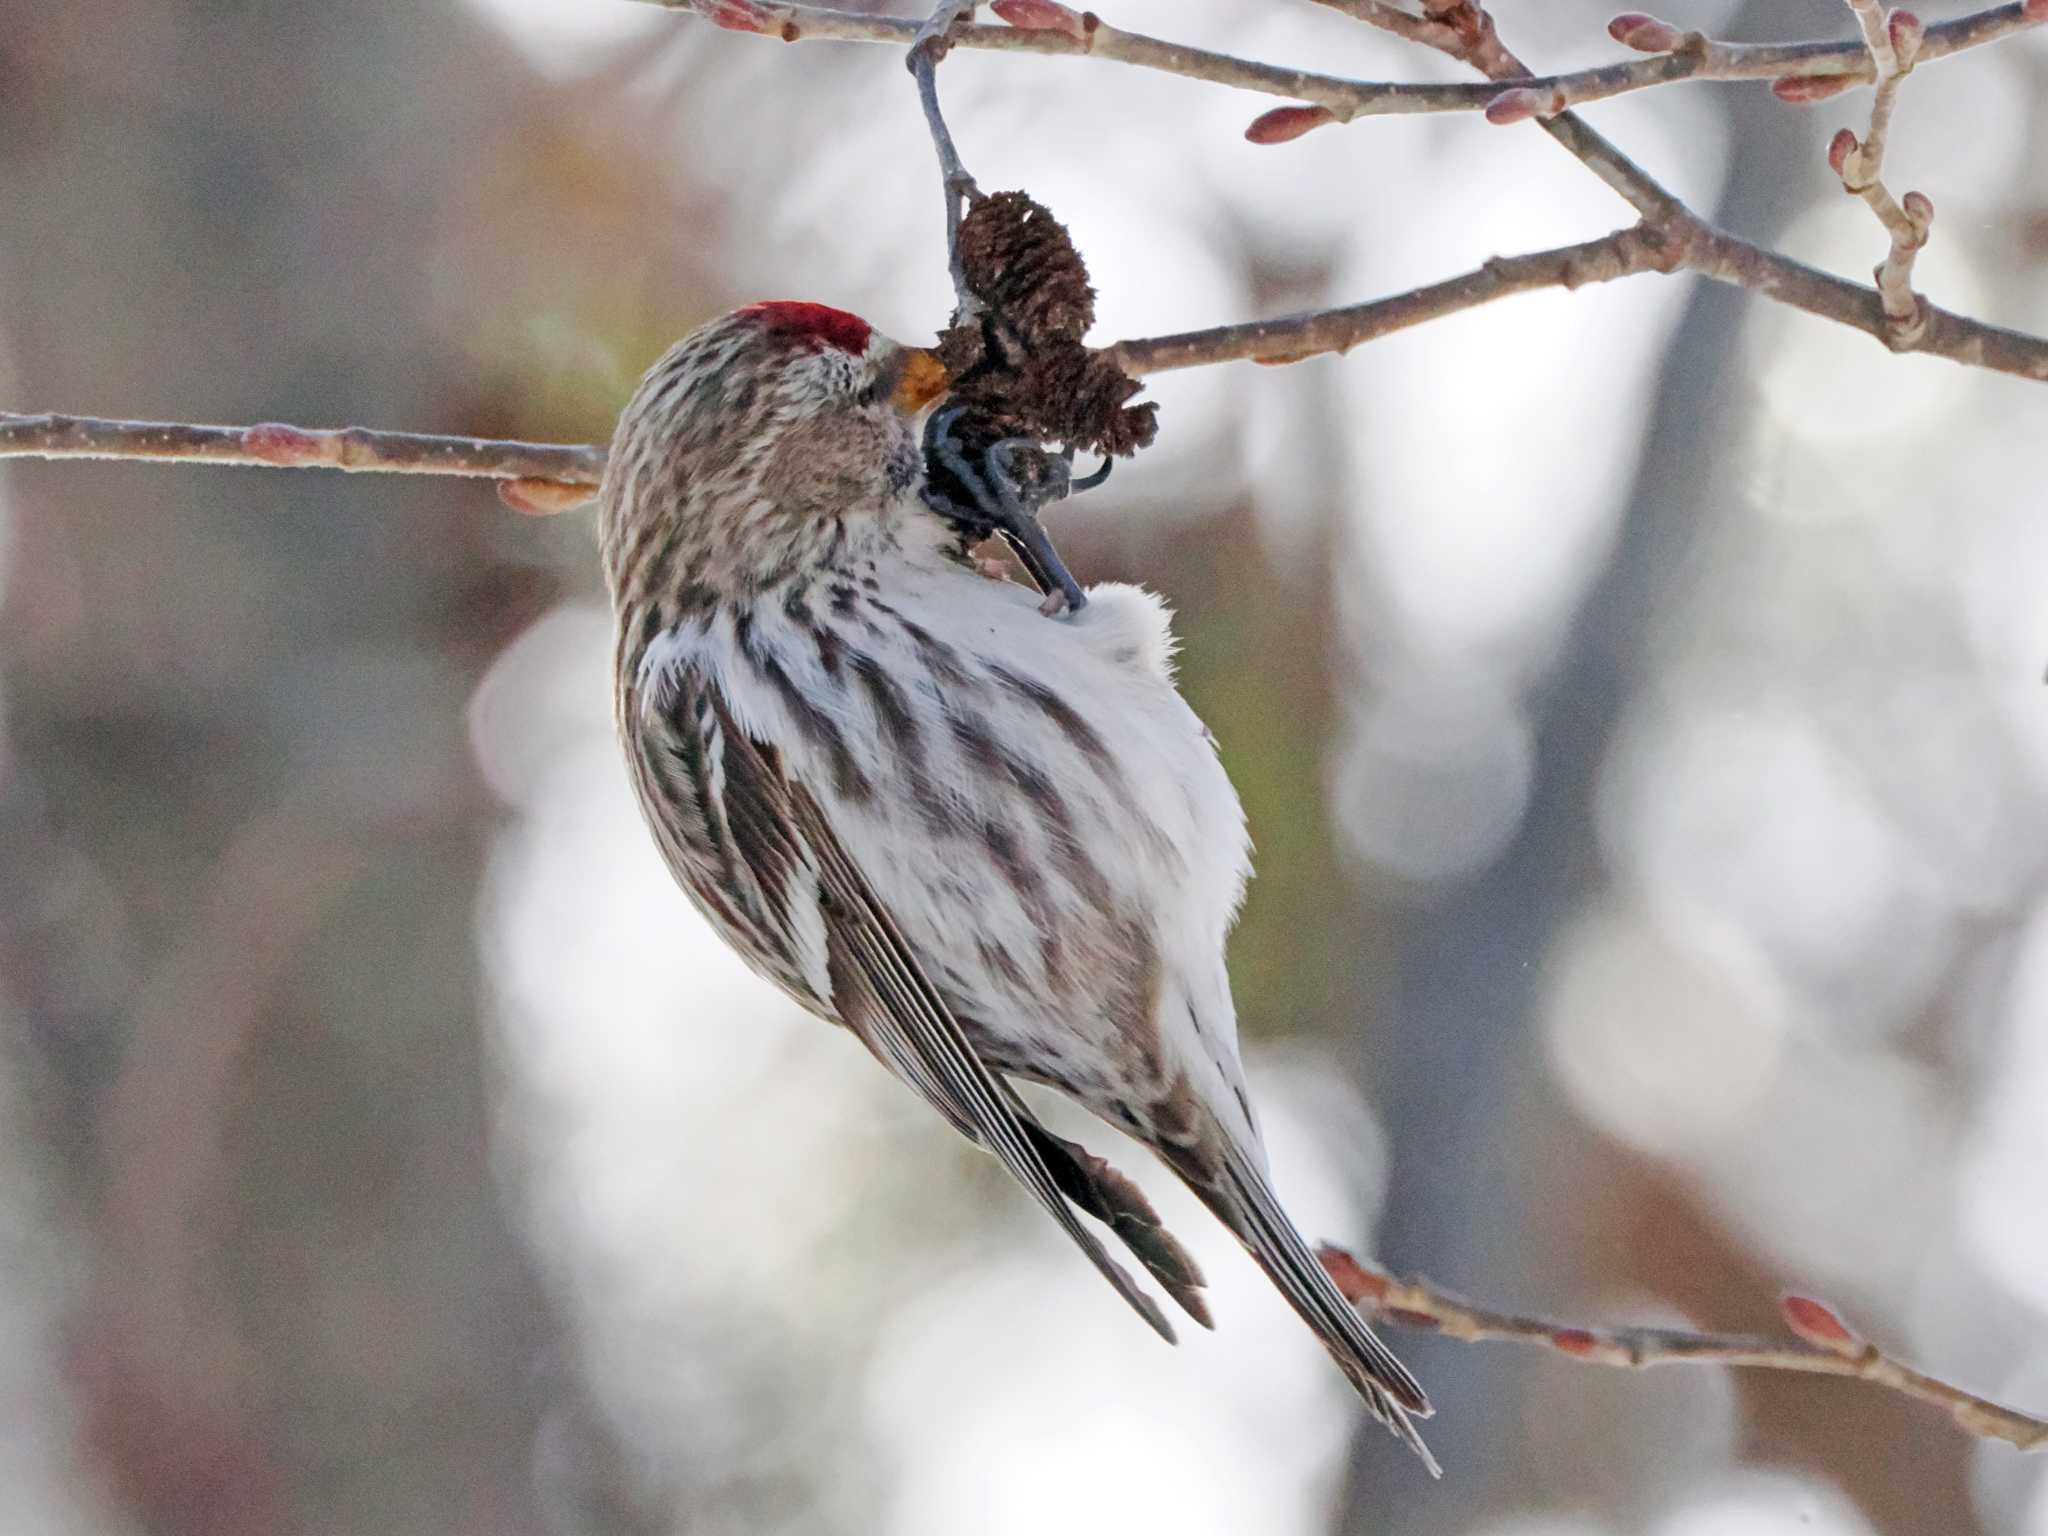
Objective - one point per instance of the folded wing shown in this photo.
(768, 847)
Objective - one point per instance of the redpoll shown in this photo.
(990, 843)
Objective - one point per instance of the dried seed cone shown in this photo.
(1020, 367)
(1021, 263)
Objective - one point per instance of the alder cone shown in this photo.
(1020, 366)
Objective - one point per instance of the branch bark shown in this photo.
(1464, 30)
(1824, 1346)
(543, 478)
(1894, 43)
(1291, 338)
(550, 476)
(1047, 27)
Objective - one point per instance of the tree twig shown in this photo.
(550, 476)
(543, 478)
(1048, 27)
(927, 49)
(1809, 71)
(1292, 338)
(1692, 246)
(1824, 1345)
(1894, 43)
(1463, 29)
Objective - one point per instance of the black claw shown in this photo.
(1058, 478)
(1089, 481)
(1019, 525)
(1003, 503)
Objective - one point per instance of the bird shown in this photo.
(983, 833)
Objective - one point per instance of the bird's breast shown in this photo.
(1042, 815)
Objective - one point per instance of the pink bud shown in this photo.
(736, 15)
(543, 498)
(1521, 103)
(1353, 1279)
(1816, 1323)
(1645, 34)
(1801, 89)
(1840, 148)
(1906, 33)
(275, 443)
(1040, 16)
(1919, 208)
(1284, 123)
(2035, 10)
(1574, 1341)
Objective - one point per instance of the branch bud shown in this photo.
(1906, 34)
(1353, 1280)
(1918, 207)
(1521, 103)
(544, 498)
(736, 15)
(2035, 10)
(1802, 89)
(1817, 1323)
(1840, 148)
(1284, 123)
(1041, 16)
(1645, 34)
(286, 447)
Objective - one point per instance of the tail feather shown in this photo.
(1247, 1205)
(1115, 1201)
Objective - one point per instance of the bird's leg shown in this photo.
(1004, 503)
(933, 39)
(941, 444)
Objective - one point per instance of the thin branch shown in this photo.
(1047, 27)
(1292, 338)
(1726, 259)
(550, 476)
(1812, 70)
(544, 478)
(1824, 1346)
(1694, 247)
(1894, 43)
(1463, 29)
(930, 45)
(1051, 28)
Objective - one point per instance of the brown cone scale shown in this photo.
(1019, 367)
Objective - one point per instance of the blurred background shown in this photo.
(1637, 696)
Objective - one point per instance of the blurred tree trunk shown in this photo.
(246, 829)
(1454, 1062)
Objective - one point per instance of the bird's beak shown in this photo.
(920, 379)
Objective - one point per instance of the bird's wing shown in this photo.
(797, 870)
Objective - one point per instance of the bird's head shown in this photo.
(781, 437)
